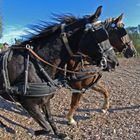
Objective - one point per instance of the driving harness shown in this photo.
(26, 89)
(48, 87)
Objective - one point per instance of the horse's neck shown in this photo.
(51, 55)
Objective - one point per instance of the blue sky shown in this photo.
(17, 14)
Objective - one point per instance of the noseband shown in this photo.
(104, 60)
(125, 46)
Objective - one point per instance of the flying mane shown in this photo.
(47, 28)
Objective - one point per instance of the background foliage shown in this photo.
(136, 41)
(134, 33)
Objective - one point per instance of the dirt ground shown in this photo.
(122, 122)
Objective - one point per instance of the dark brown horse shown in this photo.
(81, 82)
(122, 43)
(30, 71)
(119, 37)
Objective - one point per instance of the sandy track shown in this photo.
(122, 122)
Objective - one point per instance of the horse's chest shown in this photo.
(16, 67)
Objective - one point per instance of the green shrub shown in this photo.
(136, 40)
(0, 45)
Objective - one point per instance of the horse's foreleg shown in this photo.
(74, 105)
(35, 112)
(49, 118)
(102, 89)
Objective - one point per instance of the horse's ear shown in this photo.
(118, 19)
(96, 15)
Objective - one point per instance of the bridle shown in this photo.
(126, 46)
(113, 27)
(92, 27)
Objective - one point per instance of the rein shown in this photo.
(29, 48)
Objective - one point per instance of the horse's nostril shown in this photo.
(117, 64)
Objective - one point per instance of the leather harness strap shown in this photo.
(65, 40)
(5, 72)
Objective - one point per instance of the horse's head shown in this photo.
(87, 35)
(119, 37)
(95, 42)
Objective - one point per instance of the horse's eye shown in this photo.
(70, 33)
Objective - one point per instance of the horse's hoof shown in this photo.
(72, 122)
(104, 111)
(61, 135)
(31, 132)
(41, 132)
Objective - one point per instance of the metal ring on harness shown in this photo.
(103, 63)
(28, 46)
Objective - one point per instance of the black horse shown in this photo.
(29, 71)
